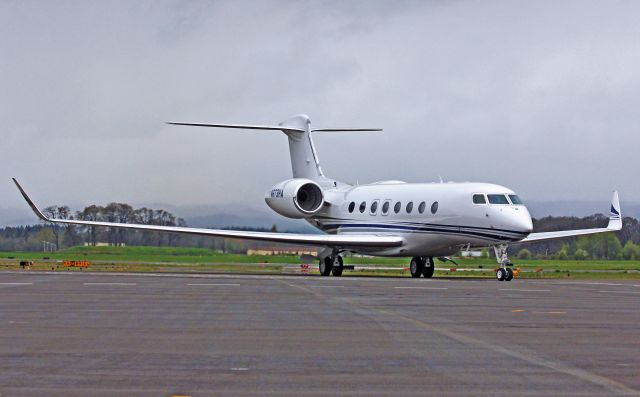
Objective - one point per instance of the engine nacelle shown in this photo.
(295, 198)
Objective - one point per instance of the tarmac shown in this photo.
(90, 334)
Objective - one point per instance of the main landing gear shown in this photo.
(422, 266)
(504, 272)
(331, 264)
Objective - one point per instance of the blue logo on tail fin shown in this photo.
(614, 212)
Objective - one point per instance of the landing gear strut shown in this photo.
(504, 273)
(331, 264)
(422, 266)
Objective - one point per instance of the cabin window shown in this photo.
(374, 207)
(479, 199)
(352, 206)
(421, 207)
(409, 207)
(396, 208)
(434, 207)
(363, 206)
(515, 199)
(385, 207)
(497, 199)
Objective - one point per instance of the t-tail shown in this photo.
(304, 157)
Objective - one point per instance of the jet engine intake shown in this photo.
(295, 198)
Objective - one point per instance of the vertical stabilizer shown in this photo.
(304, 158)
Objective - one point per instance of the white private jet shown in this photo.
(389, 218)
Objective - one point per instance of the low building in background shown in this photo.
(281, 251)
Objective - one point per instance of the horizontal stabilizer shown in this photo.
(242, 126)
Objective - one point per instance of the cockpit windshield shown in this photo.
(497, 199)
(515, 199)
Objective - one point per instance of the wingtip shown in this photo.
(615, 215)
(33, 206)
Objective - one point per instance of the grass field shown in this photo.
(143, 259)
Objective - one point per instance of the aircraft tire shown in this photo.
(501, 274)
(429, 268)
(509, 275)
(325, 266)
(416, 267)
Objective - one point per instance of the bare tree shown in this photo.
(91, 213)
(58, 212)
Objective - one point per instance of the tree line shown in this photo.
(624, 244)
(31, 238)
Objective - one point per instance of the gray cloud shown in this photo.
(540, 96)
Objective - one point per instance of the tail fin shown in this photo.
(304, 158)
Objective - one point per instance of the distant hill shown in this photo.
(541, 209)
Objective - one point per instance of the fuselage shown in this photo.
(434, 219)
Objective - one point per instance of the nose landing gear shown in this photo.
(504, 273)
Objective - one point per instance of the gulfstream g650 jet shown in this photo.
(389, 218)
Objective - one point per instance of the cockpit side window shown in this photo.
(479, 199)
(497, 199)
(515, 200)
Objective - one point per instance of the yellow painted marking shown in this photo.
(518, 311)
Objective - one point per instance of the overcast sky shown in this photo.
(543, 97)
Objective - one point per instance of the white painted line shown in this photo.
(215, 285)
(420, 287)
(110, 284)
(524, 290)
(239, 369)
(16, 283)
(550, 312)
(328, 286)
(620, 292)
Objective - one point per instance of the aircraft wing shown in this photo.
(316, 240)
(615, 224)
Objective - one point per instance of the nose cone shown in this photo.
(522, 221)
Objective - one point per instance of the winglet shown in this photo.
(30, 202)
(615, 217)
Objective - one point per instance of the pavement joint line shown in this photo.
(328, 286)
(110, 283)
(612, 385)
(524, 290)
(214, 285)
(619, 292)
